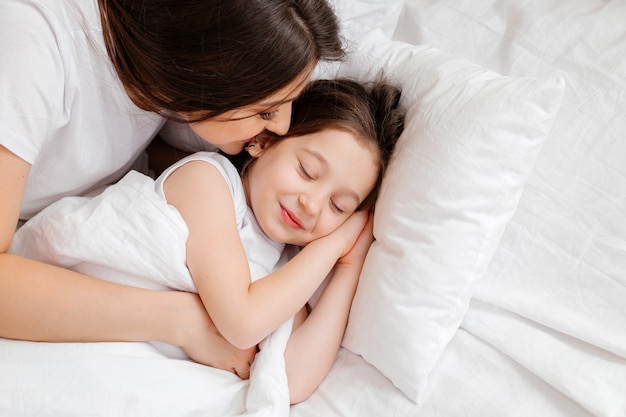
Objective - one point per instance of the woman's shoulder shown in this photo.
(59, 16)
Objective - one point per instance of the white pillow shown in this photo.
(358, 17)
(472, 137)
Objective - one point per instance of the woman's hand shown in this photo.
(200, 339)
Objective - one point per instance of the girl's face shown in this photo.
(303, 188)
(230, 131)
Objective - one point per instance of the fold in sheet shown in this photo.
(561, 361)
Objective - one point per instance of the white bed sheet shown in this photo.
(546, 332)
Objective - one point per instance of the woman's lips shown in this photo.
(261, 139)
(290, 219)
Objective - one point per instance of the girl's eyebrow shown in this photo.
(317, 155)
(326, 164)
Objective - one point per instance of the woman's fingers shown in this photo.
(244, 372)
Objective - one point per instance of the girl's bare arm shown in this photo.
(42, 302)
(244, 312)
(313, 346)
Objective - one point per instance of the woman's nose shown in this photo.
(281, 121)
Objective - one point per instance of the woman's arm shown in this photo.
(42, 302)
(313, 346)
(244, 312)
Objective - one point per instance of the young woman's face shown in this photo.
(303, 188)
(230, 131)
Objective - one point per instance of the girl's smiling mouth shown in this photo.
(290, 219)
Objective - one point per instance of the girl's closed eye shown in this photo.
(304, 172)
(336, 207)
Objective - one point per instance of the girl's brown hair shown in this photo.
(207, 57)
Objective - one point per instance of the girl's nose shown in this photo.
(309, 203)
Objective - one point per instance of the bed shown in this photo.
(497, 284)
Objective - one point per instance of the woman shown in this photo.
(85, 85)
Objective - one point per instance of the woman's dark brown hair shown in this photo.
(370, 112)
(210, 56)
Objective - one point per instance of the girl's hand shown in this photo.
(313, 346)
(347, 234)
(356, 256)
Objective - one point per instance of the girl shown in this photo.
(84, 86)
(311, 189)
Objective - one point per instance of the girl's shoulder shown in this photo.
(220, 162)
(223, 165)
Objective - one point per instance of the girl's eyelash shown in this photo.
(304, 172)
(306, 175)
(336, 208)
(268, 115)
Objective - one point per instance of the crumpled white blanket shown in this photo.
(130, 235)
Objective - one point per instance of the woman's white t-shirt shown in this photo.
(62, 107)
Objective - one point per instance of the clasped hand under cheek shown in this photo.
(348, 233)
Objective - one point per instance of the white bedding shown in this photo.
(128, 234)
(545, 331)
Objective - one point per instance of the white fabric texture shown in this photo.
(470, 142)
(357, 18)
(130, 235)
(544, 334)
(54, 70)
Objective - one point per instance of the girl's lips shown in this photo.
(289, 218)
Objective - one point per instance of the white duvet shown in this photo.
(129, 234)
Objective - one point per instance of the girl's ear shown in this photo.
(254, 149)
(258, 143)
